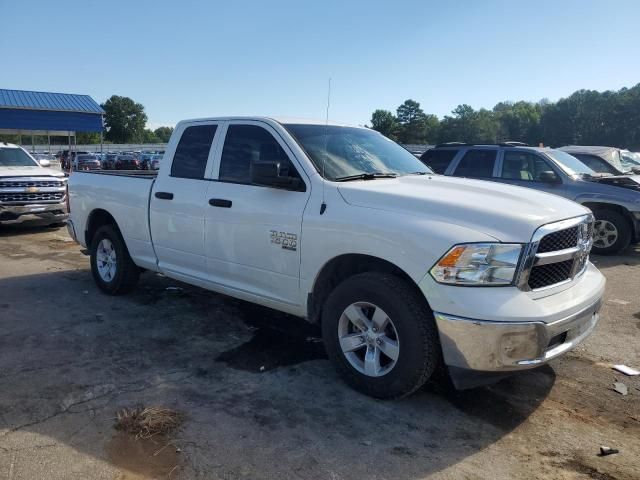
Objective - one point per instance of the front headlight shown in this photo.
(478, 264)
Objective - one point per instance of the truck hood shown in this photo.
(505, 212)
(34, 171)
(624, 181)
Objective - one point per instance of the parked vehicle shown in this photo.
(109, 162)
(126, 162)
(630, 161)
(28, 190)
(43, 159)
(155, 162)
(86, 162)
(614, 199)
(342, 226)
(599, 159)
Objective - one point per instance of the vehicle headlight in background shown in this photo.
(478, 264)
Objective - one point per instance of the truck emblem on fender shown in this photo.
(289, 241)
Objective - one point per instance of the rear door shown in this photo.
(527, 169)
(477, 163)
(179, 200)
(438, 160)
(253, 231)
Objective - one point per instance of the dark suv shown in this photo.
(614, 199)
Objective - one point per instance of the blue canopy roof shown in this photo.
(45, 111)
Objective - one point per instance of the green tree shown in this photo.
(467, 125)
(148, 136)
(414, 124)
(87, 138)
(385, 122)
(163, 133)
(124, 119)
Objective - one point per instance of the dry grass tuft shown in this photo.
(145, 422)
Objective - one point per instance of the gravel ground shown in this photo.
(259, 398)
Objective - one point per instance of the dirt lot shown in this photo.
(261, 401)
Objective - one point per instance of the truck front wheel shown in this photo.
(380, 335)
(611, 233)
(112, 268)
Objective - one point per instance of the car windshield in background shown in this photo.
(569, 163)
(350, 151)
(630, 160)
(87, 158)
(15, 157)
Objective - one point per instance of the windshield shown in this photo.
(15, 157)
(630, 159)
(348, 151)
(86, 158)
(569, 163)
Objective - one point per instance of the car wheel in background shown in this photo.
(380, 335)
(611, 232)
(113, 270)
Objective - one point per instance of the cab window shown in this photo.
(438, 160)
(523, 166)
(477, 163)
(246, 144)
(192, 153)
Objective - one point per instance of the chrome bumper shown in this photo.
(12, 214)
(484, 346)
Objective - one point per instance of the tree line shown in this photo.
(586, 117)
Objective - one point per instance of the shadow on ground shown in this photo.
(260, 398)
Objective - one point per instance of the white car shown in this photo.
(402, 268)
(29, 190)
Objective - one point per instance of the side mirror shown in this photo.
(44, 163)
(549, 176)
(270, 174)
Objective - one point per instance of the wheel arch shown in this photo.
(97, 218)
(594, 206)
(342, 267)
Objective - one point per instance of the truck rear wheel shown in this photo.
(380, 335)
(112, 268)
(611, 232)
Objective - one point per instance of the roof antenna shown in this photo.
(323, 206)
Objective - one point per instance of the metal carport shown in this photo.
(44, 113)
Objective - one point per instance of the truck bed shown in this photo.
(124, 194)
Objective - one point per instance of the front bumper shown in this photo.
(52, 212)
(488, 333)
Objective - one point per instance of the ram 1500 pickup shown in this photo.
(403, 269)
(28, 191)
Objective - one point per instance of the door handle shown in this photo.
(164, 195)
(220, 202)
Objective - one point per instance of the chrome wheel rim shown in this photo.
(368, 339)
(106, 260)
(605, 234)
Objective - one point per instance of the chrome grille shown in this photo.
(557, 253)
(552, 242)
(32, 183)
(31, 197)
(550, 274)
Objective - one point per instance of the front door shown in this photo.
(253, 232)
(528, 169)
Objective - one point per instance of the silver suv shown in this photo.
(614, 199)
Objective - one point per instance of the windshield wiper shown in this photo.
(366, 176)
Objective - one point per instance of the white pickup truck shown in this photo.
(29, 190)
(405, 270)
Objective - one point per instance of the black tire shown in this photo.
(419, 352)
(622, 226)
(126, 274)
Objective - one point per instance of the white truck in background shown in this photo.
(403, 269)
(29, 190)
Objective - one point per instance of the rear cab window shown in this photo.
(192, 152)
(477, 163)
(438, 160)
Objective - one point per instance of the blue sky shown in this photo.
(184, 59)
